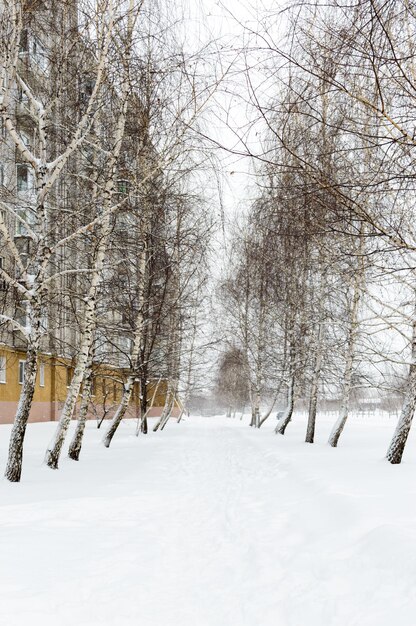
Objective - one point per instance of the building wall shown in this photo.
(49, 398)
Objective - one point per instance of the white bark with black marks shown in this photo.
(287, 415)
(398, 442)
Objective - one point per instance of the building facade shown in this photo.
(49, 69)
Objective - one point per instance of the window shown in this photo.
(41, 374)
(22, 96)
(125, 344)
(33, 47)
(21, 313)
(39, 54)
(25, 217)
(68, 376)
(25, 138)
(86, 89)
(22, 367)
(44, 320)
(2, 369)
(123, 186)
(124, 221)
(24, 178)
(24, 42)
(3, 283)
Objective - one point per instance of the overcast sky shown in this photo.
(208, 21)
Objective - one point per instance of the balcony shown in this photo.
(25, 183)
(32, 54)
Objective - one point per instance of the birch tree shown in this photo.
(45, 164)
(87, 336)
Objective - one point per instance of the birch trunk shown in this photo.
(55, 447)
(143, 419)
(349, 363)
(257, 409)
(168, 413)
(343, 416)
(398, 442)
(46, 175)
(174, 334)
(76, 443)
(313, 397)
(313, 403)
(287, 416)
(168, 406)
(165, 410)
(135, 357)
(121, 411)
(190, 361)
(267, 415)
(253, 409)
(15, 457)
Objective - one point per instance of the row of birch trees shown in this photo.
(99, 102)
(320, 292)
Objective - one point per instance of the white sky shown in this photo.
(226, 23)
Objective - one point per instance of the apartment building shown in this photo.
(55, 69)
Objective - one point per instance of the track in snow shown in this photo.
(209, 524)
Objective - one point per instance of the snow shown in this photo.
(211, 523)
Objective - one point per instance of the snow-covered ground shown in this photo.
(210, 523)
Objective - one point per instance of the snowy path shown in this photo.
(210, 524)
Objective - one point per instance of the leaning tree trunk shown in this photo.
(175, 347)
(165, 410)
(345, 404)
(287, 415)
(343, 416)
(14, 462)
(76, 443)
(121, 411)
(169, 412)
(398, 442)
(350, 348)
(269, 412)
(135, 357)
(266, 416)
(142, 424)
(168, 406)
(55, 447)
(313, 397)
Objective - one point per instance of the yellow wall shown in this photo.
(58, 371)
